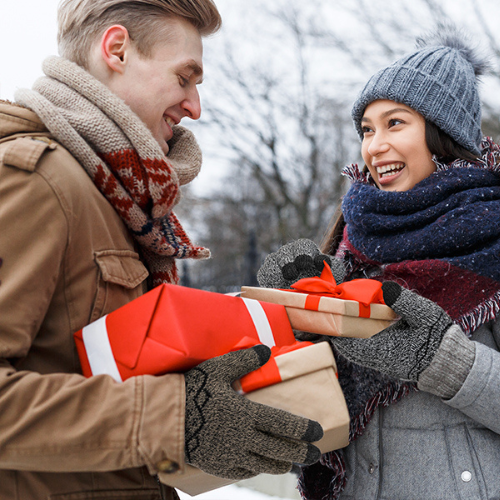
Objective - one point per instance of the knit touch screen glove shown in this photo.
(405, 349)
(230, 436)
(296, 260)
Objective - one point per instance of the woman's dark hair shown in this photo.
(443, 146)
(439, 143)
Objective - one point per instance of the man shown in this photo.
(91, 160)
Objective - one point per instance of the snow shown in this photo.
(231, 492)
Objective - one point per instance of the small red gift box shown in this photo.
(317, 305)
(174, 328)
(301, 379)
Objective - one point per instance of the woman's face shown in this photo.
(394, 147)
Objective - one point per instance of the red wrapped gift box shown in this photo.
(174, 328)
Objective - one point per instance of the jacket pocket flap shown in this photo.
(121, 267)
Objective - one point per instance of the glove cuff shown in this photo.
(450, 366)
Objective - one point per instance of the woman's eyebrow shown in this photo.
(395, 110)
(387, 113)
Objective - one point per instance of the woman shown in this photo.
(423, 217)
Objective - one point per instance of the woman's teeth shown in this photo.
(169, 121)
(391, 169)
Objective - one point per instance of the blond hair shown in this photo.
(81, 22)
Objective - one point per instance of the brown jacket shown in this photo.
(66, 260)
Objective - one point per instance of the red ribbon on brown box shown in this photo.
(364, 291)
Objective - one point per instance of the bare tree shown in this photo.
(277, 114)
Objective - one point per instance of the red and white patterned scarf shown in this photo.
(123, 159)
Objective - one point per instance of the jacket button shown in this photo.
(466, 476)
(168, 466)
(371, 469)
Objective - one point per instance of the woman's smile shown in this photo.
(388, 173)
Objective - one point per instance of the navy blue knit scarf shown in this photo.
(441, 239)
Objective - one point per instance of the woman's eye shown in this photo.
(395, 121)
(366, 130)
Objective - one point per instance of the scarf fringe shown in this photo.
(483, 313)
(490, 155)
(354, 174)
(321, 486)
(393, 393)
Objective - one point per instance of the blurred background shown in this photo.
(280, 79)
(275, 129)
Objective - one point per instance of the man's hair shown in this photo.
(81, 22)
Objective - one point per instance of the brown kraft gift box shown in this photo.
(309, 388)
(332, 316)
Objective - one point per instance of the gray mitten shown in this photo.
(230, 436)
(406, 348)
(296, 260)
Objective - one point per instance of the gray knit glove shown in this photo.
(296, 260)
(406, 348)
(230, 436)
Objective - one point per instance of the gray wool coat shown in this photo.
(425, 448)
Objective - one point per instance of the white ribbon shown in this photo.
(260, 321)
(98, 348)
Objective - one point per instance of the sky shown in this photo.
(28, 32)
(27, 35)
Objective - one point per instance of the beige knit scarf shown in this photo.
(123, 159)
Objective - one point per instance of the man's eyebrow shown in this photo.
(389, 112)
(195, 68)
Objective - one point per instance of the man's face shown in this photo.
(161, 89)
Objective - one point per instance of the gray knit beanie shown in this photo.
(439, 80)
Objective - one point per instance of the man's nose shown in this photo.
(192, 105)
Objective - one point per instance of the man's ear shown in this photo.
(115, 44)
